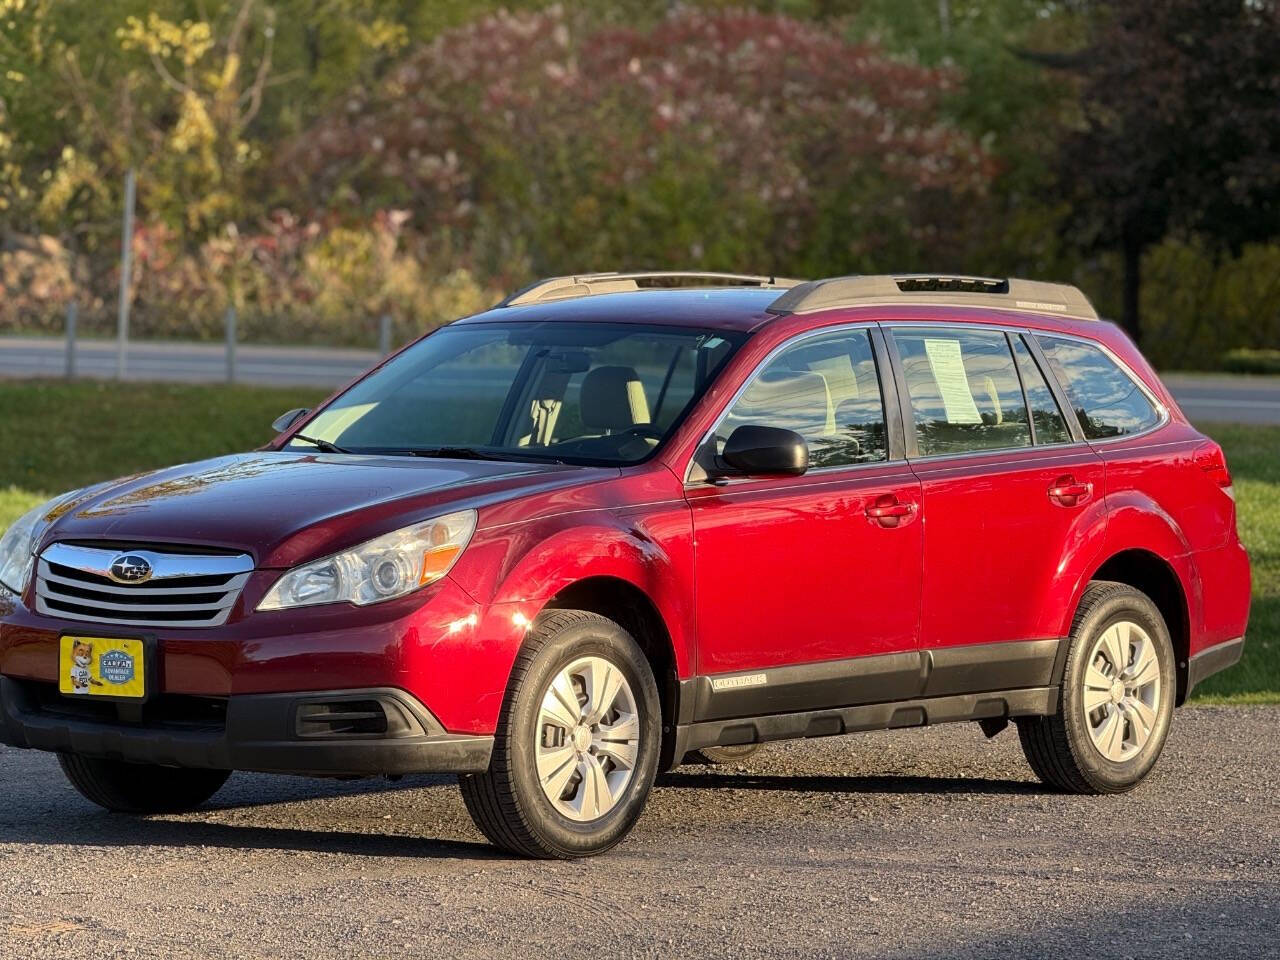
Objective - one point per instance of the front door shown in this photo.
(808, 587)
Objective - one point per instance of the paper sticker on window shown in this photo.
(953, 383)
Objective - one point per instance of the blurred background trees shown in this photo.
(318, 162)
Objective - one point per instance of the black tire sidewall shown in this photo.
(1119, 604)
(603, 638)
(141, 788)
(715, 756)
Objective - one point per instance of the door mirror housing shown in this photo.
(766, 451)
(286, 420)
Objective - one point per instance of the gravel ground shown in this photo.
(920, 844)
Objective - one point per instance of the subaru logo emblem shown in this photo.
(130, 568)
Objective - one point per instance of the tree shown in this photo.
(555, 142)
(1179, 131)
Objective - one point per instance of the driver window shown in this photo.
(826, 389)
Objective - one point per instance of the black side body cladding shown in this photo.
(1213, 660)
(916, 688)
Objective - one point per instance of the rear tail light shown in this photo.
(1213, 462)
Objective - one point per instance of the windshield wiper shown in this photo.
(474, 453)
(324, 446)
(451, 453)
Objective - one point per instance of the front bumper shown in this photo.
(336, 733)
(448, 653)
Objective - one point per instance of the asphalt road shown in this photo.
(923, 844)
(1210, 399)
(1205, 399)
(186, 362)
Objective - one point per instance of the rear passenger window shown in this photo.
(1107, 402)
(827, 390)
(964, 389)
(1046, 416)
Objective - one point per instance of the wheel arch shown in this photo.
(636, 612)
(1154, 576)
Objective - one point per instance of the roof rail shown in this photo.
(591, 284)
(1032, 296)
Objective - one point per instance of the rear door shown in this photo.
(1009, 489)
(808, 587)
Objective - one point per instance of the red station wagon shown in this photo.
(619, 522)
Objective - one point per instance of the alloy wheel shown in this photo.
(1122, 691)
(587, 739)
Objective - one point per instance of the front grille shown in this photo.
(74, 582)
(167, 711)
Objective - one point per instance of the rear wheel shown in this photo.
(1118, 689)
(140, 788)
(577, 744)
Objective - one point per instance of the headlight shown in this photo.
(19, 542)
(381, 569)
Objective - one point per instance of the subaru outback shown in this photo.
(621, 521)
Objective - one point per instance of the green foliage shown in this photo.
(275, 141)
(1245, 360)
(1196, 302)
(1179, 133)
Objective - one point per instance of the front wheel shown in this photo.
(1118, 688)
(576, 749)
(140, 787)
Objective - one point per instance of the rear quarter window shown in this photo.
(1106, 400)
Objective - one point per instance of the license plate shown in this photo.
(106, 667)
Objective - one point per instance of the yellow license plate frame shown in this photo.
(104, 668)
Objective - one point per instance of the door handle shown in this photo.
(1069, 492)
(889, 511)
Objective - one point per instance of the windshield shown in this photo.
(591, 393)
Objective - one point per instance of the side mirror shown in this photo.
(286, 420)
(766, 451)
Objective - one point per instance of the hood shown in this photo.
(288, 508)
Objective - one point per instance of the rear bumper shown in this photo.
(297, 733)
(1213, 660)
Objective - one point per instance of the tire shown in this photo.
(1112, 725)
(140, 788)
(715, 756)
(509, 803)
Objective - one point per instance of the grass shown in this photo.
(57, 436)
(1253, 453)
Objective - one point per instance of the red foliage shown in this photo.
(782, 118)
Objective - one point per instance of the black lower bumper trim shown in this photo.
(261, 734)
(1213, 660)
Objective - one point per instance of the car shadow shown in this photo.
(830, 783)
(255, 791)
(119, 830)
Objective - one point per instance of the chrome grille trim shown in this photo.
(184, 590)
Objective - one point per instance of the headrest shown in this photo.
(612, 398)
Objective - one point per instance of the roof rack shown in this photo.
(591, 284)
(1032, 296)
